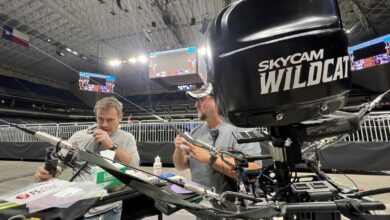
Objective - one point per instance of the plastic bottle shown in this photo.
(157, 166)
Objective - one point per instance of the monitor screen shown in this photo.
(370, 53)
(96, 82)
(170, 63)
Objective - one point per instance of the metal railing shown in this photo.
(145, 131)
(376, 128)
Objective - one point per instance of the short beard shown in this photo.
(203, 115)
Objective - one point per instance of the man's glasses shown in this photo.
(203, 99)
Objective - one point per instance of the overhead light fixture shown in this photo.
(84, 57)
(132, 60)
(75, 53)
(48, 40)
(142, 59)
(60, 53)
(202, 50)
(68, 49)
(114, 62)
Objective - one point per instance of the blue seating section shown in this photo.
(39, 92)
(33, 93)
(11, 84)
(166, 103)
(179, 97)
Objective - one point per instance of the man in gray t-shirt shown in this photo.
(85, 140)
(207, 169)
(105, 136)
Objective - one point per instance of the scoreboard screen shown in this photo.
(94, 82)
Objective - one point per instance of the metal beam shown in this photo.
(172, 27)
(362, 18)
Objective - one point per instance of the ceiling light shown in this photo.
(75, 53)
(142, 59)
(84, 57)
(114, 62)
(48, 40)
(60, 53)
(68, 49)
(202, 50)
(132, 60)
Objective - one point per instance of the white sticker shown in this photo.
(67, 192)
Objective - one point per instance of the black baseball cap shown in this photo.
(205, 90)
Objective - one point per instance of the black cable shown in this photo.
(288, 184)
(327, 163)
(371, 192)
(78, 172)
(261, 176)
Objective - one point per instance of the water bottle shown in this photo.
(157, 166)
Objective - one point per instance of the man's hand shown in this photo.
(103, 138)
(178, 141)
(194, 152)
(180, 157)
(180, 147)
(41, 174)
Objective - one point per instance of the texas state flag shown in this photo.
(15, 36)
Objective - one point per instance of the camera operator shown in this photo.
(106, 135)
(207, 169)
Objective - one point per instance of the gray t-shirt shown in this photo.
(203, 173)
(84, 140)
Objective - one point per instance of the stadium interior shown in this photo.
(41, 85)
(38, 80)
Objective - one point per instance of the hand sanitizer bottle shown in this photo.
(157, 166)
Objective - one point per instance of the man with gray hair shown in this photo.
(104, 135)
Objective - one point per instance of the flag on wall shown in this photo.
(15, 36)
